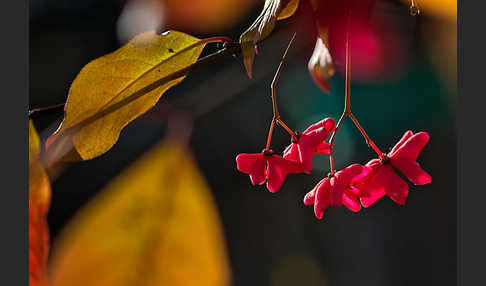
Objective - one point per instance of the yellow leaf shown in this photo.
(113, 90)
(39, 198)
(155, 224)
(320, 64)
(273, 10)
(288, 10)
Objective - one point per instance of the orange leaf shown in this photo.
(39, 198)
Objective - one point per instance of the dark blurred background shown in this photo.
(407, 81)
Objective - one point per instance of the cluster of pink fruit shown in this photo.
(353, 186)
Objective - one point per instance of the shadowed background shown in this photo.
(273, 239)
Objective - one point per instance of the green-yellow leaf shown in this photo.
(273, 10)
(155, 224)
(113, 90)
(39, 198)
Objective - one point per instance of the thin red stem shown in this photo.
(218, 39)
(347, 102)
(276, 115)
(331, 142)
(367, 138)
(347, 110)
(269, 138)
(292, 133)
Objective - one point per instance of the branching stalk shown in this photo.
(347, 111)
(291, 133)
(276, 115)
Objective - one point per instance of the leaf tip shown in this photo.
(50, 141)
(249, 72)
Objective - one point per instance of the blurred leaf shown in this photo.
(205, 16)
(320, 64)
(113, 90)
(39, 197)
(273, 10)
(445, 9)
(155, 224)
(440, 39)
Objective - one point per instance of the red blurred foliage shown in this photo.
(377, 48)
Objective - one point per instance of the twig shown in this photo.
(230, 49)
(40, 112)
(276, 115)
